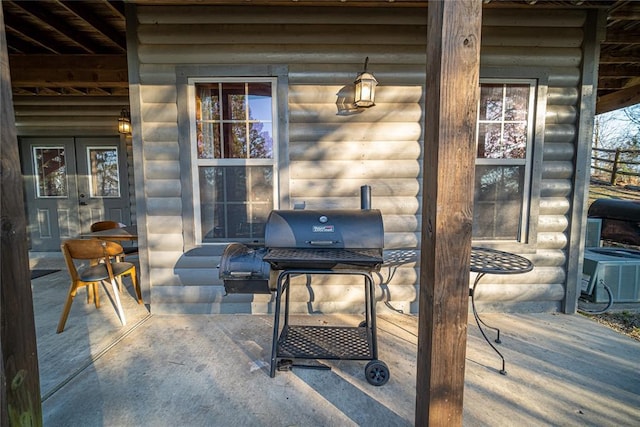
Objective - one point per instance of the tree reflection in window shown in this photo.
(234, 120)
(503, 150)
(502, 125)
(235, 158)
(104, 175)
(51, 171)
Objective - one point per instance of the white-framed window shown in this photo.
(104, 173)
(50, 170)
(234, 153)
(505, 135)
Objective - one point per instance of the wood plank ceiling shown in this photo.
(78, 47)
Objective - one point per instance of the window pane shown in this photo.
(208, 135)
(246, 133)
(104, 175)
(234, 98)
(261, 185)
(51, 171)
(207, 101)
(238, 225)
(260, 140)
(489, 141)
(210, 181)
(234, 184)
(260, 101)
(235, 201)
(491, 101)
(515, 141)
(207, 114)
(498, 202)
(516, 102)
(496, 141)
(235, 141)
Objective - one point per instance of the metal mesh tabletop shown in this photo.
(491, 261)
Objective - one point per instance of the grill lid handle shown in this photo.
(322, 242)
(240, 273)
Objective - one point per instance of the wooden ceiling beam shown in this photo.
(82, 101)
(381, 3)
(16, 43)
(631, 55)
(622, 37)
(100, 91)
(58, 25)
(634, 81)
(630, 13)
(78, 82)
(90, 71)
(20, 91)
(84, 13)
(612, 83)
(348, 3)
(73, 91)
(620, 70)
(27, 32)
(620, 99)
(115, 7)
(106, 62)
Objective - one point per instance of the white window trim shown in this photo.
(36, 172)
(523, 232)
(196, 163)
(88, 160)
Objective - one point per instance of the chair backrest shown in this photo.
(90, 248)
(104, 225)
(87, 249)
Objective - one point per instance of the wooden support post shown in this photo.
(20, 394)
(453, 57)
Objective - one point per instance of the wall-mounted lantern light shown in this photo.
(365, 88)
(124, 122)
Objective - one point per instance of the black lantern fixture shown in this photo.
(124, 122)
(365, 88)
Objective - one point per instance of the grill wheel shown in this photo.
(377, 372)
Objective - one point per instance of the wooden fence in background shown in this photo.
(615, 162)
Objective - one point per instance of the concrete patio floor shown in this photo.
(213, 370)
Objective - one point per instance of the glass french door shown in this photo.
(71, 183)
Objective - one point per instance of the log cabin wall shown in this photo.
(68, 116)
(331, 152)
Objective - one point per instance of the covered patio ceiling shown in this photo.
(78, 48)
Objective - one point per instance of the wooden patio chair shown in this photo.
(99, 254)
(108, 225)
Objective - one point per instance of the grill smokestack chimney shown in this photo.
(365, 197)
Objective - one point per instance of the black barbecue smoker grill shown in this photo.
(314, 242)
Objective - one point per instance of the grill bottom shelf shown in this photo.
(325, 342)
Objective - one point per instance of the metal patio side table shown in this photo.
(491, 261)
